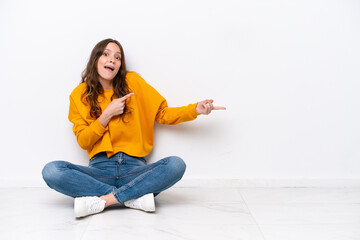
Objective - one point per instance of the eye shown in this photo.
(117, 58)
(105, 54)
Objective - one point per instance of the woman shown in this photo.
(113, 112)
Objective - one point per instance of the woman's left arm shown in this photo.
(153, 100)
(175, 115)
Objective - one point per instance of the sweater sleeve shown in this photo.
(175, 115)
(154, 104)
(87, 134)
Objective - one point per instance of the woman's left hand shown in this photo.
(205, 107)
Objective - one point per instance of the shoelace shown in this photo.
(94, 206)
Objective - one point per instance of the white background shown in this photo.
(288, 72)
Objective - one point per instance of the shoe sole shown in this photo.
(77, 207)
(149, 203)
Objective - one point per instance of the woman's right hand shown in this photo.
(115, 108)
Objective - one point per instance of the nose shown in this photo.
(112, 59)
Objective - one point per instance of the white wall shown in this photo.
(288, 72)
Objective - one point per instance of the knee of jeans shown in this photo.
(177, 165)
(51, 172)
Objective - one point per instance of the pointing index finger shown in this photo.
(219, 108)
(127, 96)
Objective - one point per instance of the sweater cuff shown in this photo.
(98, 128)
(192, 110)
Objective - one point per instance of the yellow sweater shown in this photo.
(135, 136)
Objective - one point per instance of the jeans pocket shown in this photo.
(98, 159)
(142, 159)
(134, 161)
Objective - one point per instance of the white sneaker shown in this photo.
(145, 203)
(84, 206)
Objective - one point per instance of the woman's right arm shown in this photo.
(86, 134)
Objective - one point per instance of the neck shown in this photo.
(106, 84)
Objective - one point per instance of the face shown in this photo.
(109, 64)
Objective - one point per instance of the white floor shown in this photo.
(190, 213)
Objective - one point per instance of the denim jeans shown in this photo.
(125, 176)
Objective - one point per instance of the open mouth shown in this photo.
(111, 68)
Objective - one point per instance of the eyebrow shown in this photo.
(111, 51)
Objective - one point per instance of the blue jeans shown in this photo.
(125, 176)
